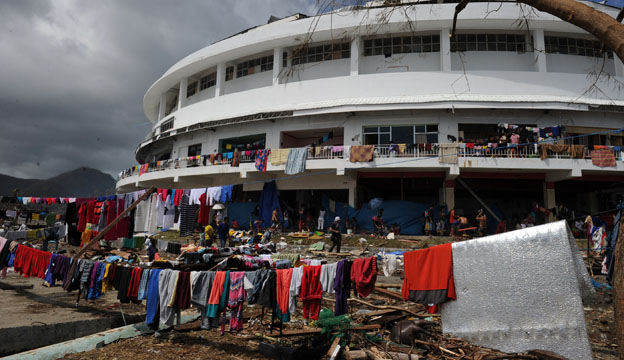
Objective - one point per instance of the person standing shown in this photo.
(320, 224)
(482, 219)
(223, 229)
(209, 235)
(286, 222)
(452, 221)
(275, 221)
(336, 236)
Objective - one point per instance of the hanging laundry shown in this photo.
(361, 153)
(429, 276)
(279, 156)
(294, 289)
(151, 306)
(261, 159)
(296, 161)
(603, 157)
(328, 276)
(236, 300)
(284, 277)
(364, 274)
(311, 292)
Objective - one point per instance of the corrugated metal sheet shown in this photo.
(520, 291)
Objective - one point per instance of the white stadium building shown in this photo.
(433, 119)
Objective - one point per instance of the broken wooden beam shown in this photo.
(302, 332)
(385, 286)
(392, 294)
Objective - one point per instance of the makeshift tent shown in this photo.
(408, 214)
(268, 202)
(241, 212)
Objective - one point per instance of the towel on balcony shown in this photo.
(261, 159)
(279, 156)
(603, 157)
(578, 151)
(296, 161)
(448, 153)
(361, 153)
(556, 148)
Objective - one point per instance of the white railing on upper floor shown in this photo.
(379, 152)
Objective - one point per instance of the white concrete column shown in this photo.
(220, 83)
(356, 51)
(162, 106)
(352, 195)
(619, 66)
(182, 93)
(449, 194)
(539, 49)
(445, 50)
(278, 56)
(549, 198)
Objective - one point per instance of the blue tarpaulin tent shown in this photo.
(268, 202)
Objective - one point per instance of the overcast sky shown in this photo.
(73, 72)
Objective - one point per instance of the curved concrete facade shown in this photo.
(259, 86)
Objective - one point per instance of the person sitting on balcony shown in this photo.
(393, 149)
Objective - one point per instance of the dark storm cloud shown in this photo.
(73, 73)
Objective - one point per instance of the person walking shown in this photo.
(336, 236)
(224, 231)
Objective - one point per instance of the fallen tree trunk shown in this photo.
(605, 28)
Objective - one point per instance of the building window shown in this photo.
(194, 150)
(166, 126)
(573, 46)
(489, 42)
(229, 73)
(208, 81)
(402, 45)
(284, 59)
(249, 67)
(409, 134)
(191, 89)
(321, 53)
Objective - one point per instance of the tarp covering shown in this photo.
(268, 202)
(241, 212)
(525, 295)
(408, 214)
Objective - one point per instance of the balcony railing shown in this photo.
(379, 152)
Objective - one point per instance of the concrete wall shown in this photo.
(578, 64)
(400, 63)
(249, 82)
(319, 70)
(24, 338)
(492, 61)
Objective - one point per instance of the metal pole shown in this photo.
(478, 199)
